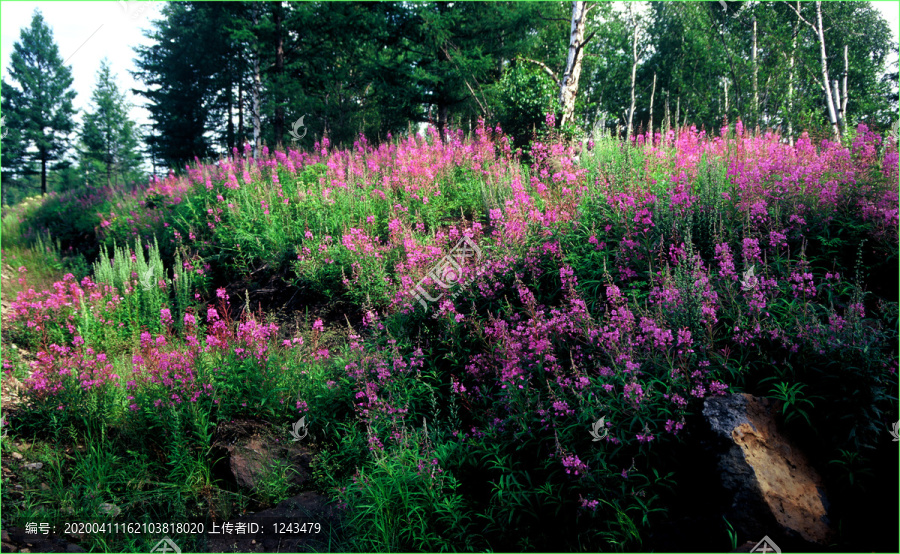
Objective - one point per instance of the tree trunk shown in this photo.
(652, 94)
(844, 91)
(820, 31)
(677, 114)
(229, 130)
(442, 121)
(240, 129)
(790, 110)
(255, 91)
(278, 122)
(569, 82)
(666, 117)
(44, 175)
(725, 82)
(255, 110)
(755, 80)
(836, 92)
(634, 61)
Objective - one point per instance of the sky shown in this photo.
(86, 32)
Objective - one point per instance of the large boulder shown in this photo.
(248, 451)
(774, 489)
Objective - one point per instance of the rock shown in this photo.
(746, 547)
(4, 536)
(110, 509)
(248, 459)
(23, 447)
(772, 482)
(34, 466)
(17, 456)
(246, 465)
(45, 487)
(21, 541)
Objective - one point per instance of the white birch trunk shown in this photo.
(836, 92)
(634, 62)
(820, 31)
(755, 80)
(652, 94)
(569, 82)
(725, 80)
(844, 91)
(790, 110)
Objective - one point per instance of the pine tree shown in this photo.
(40, 106)
(181, 79)
(108, 136)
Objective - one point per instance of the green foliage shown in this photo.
(793, 398)
(525, 95)
(108, 136)
(145, 289)
(275, 482)
(39, 107)
(405, 501)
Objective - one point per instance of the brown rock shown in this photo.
(246, 465)
(765, 470)
(251, 456)
(17, 456)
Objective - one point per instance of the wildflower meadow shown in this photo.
(491, 350)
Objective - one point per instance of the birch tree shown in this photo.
(790, 99)
(636, 24)
(819, 30)
(569, 82)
